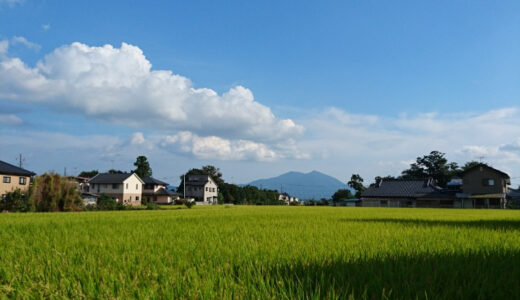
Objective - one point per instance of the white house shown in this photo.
(202, 188)
(126, 188)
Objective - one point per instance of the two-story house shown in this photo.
(202, 188)
(126, 188)
(156, 191)
(12, 178)
(484, 187)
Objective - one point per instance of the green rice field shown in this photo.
(246, 252)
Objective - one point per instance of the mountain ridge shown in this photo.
(306, 186)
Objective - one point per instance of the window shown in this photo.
(136, 198)
(137, 186)
(23, 180)
(7, 179)
(127, 186)
(115, 186)
(130, 199)
(488, 182)
(207, 189)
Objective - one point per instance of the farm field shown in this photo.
(262, 252)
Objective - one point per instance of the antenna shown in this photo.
(480, 158)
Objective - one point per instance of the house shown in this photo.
(156, 191)
(484, 187)
(287, 199)
(405, 193)
(126, 188)
(13, 178)
(202, 188)
(480, 187)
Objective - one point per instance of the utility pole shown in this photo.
(21, 160)
(64, 171)
(184, 185)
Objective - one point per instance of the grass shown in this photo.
(262, 252)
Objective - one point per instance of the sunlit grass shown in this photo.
(262, 252)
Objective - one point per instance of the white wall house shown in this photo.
(126, 188)
(202, 188)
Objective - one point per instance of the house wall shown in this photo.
(472, 182)
(207, 193)
(387, 202)
(14, 184)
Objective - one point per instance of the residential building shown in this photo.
(287, 198)
(13, 177)
(202, 188)
(480, 187)
(126, 188)
(156, 191)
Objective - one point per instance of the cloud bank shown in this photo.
(119, 85)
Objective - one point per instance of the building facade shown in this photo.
(156, 191)
(126, 188)
(202, 188)
(12, 178)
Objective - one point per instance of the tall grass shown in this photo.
(262, 252)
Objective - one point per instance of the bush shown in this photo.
(15, 201)
(152, 206)
(52, 192)
(106, 203)
(189, 204)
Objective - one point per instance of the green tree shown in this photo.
(52, 192)
(114, 171)
(356, 182)
(88, 174)
(15, 201)
(341, 194)
(433, 165)
(143, 168)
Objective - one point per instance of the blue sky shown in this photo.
(368, 86)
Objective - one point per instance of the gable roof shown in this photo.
(9, 169)
(401, 188)
(151, 180)
(112, 178)
(505, 175)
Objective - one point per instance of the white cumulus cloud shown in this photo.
(23, 41)
(119, 85)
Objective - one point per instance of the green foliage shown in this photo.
(88, 174)
(15, 201)
(114, 171)
(52, 192)
(143, 168)
(189, 204)
(262, 253)
(105, 202)
(356, 182)
(152, 206)
(341, 194)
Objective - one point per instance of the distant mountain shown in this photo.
(313, 185)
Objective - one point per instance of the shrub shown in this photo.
(106, 203)
(15, 201)
(189, 204)
(152, 206)
(52, 192)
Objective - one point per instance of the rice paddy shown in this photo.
(262, 253)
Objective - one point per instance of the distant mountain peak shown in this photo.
(311, 185)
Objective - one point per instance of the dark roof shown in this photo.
(6, 168)
(401, 188)
(488, 167)
(163, 191)
(197, 180)
(151, 180)
(513, 194)
(110, 178)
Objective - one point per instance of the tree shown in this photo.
(143, 167)
(114, 171)
(356, 182)
(341, 194)
(15, 201)
(433, 165)
(52, 192)
(88, 174)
